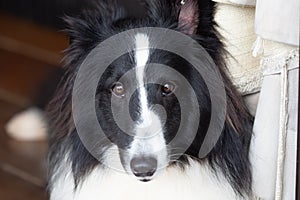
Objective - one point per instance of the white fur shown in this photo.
(149, 138)
(28, 125)
(197, 182)
(141, 57)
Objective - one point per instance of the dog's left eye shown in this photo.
(168, 88)
(118, 89)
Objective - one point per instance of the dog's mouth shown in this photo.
(145, 180)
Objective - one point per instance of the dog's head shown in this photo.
(151, 112)
(142, 108)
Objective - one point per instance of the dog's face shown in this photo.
(143, 109)
(141, 113)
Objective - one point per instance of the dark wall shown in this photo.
(50, 12)
(47, 12)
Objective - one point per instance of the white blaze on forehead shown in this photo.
(141, 58)
(142, 49)
(149, 139)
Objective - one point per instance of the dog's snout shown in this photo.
(143, 167)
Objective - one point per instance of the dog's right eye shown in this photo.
(118, 89)
(168, 88)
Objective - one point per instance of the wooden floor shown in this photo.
(28, 53)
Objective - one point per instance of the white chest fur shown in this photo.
(196, 182)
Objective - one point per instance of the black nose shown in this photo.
(143, 166)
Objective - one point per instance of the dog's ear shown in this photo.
(192, 16)
(92, 26)
(197, 17)
(185, 13)
(188, 19)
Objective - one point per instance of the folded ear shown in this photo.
(91, 27)
(93, 18)
(185, 12)
(188, 19)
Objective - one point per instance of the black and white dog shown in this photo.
(151, 170)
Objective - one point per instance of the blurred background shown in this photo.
(31, 48)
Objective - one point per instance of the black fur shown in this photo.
(90, 28)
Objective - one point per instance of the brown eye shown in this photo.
(168, 88)
(118, 89)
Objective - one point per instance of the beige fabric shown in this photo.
(271, 48)
(223, 1)
(238, 2)
(251, 102)
(289, 173)
(263, 154)
(273, 147)
(237, 27)
(278, 20)
(244, 2)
